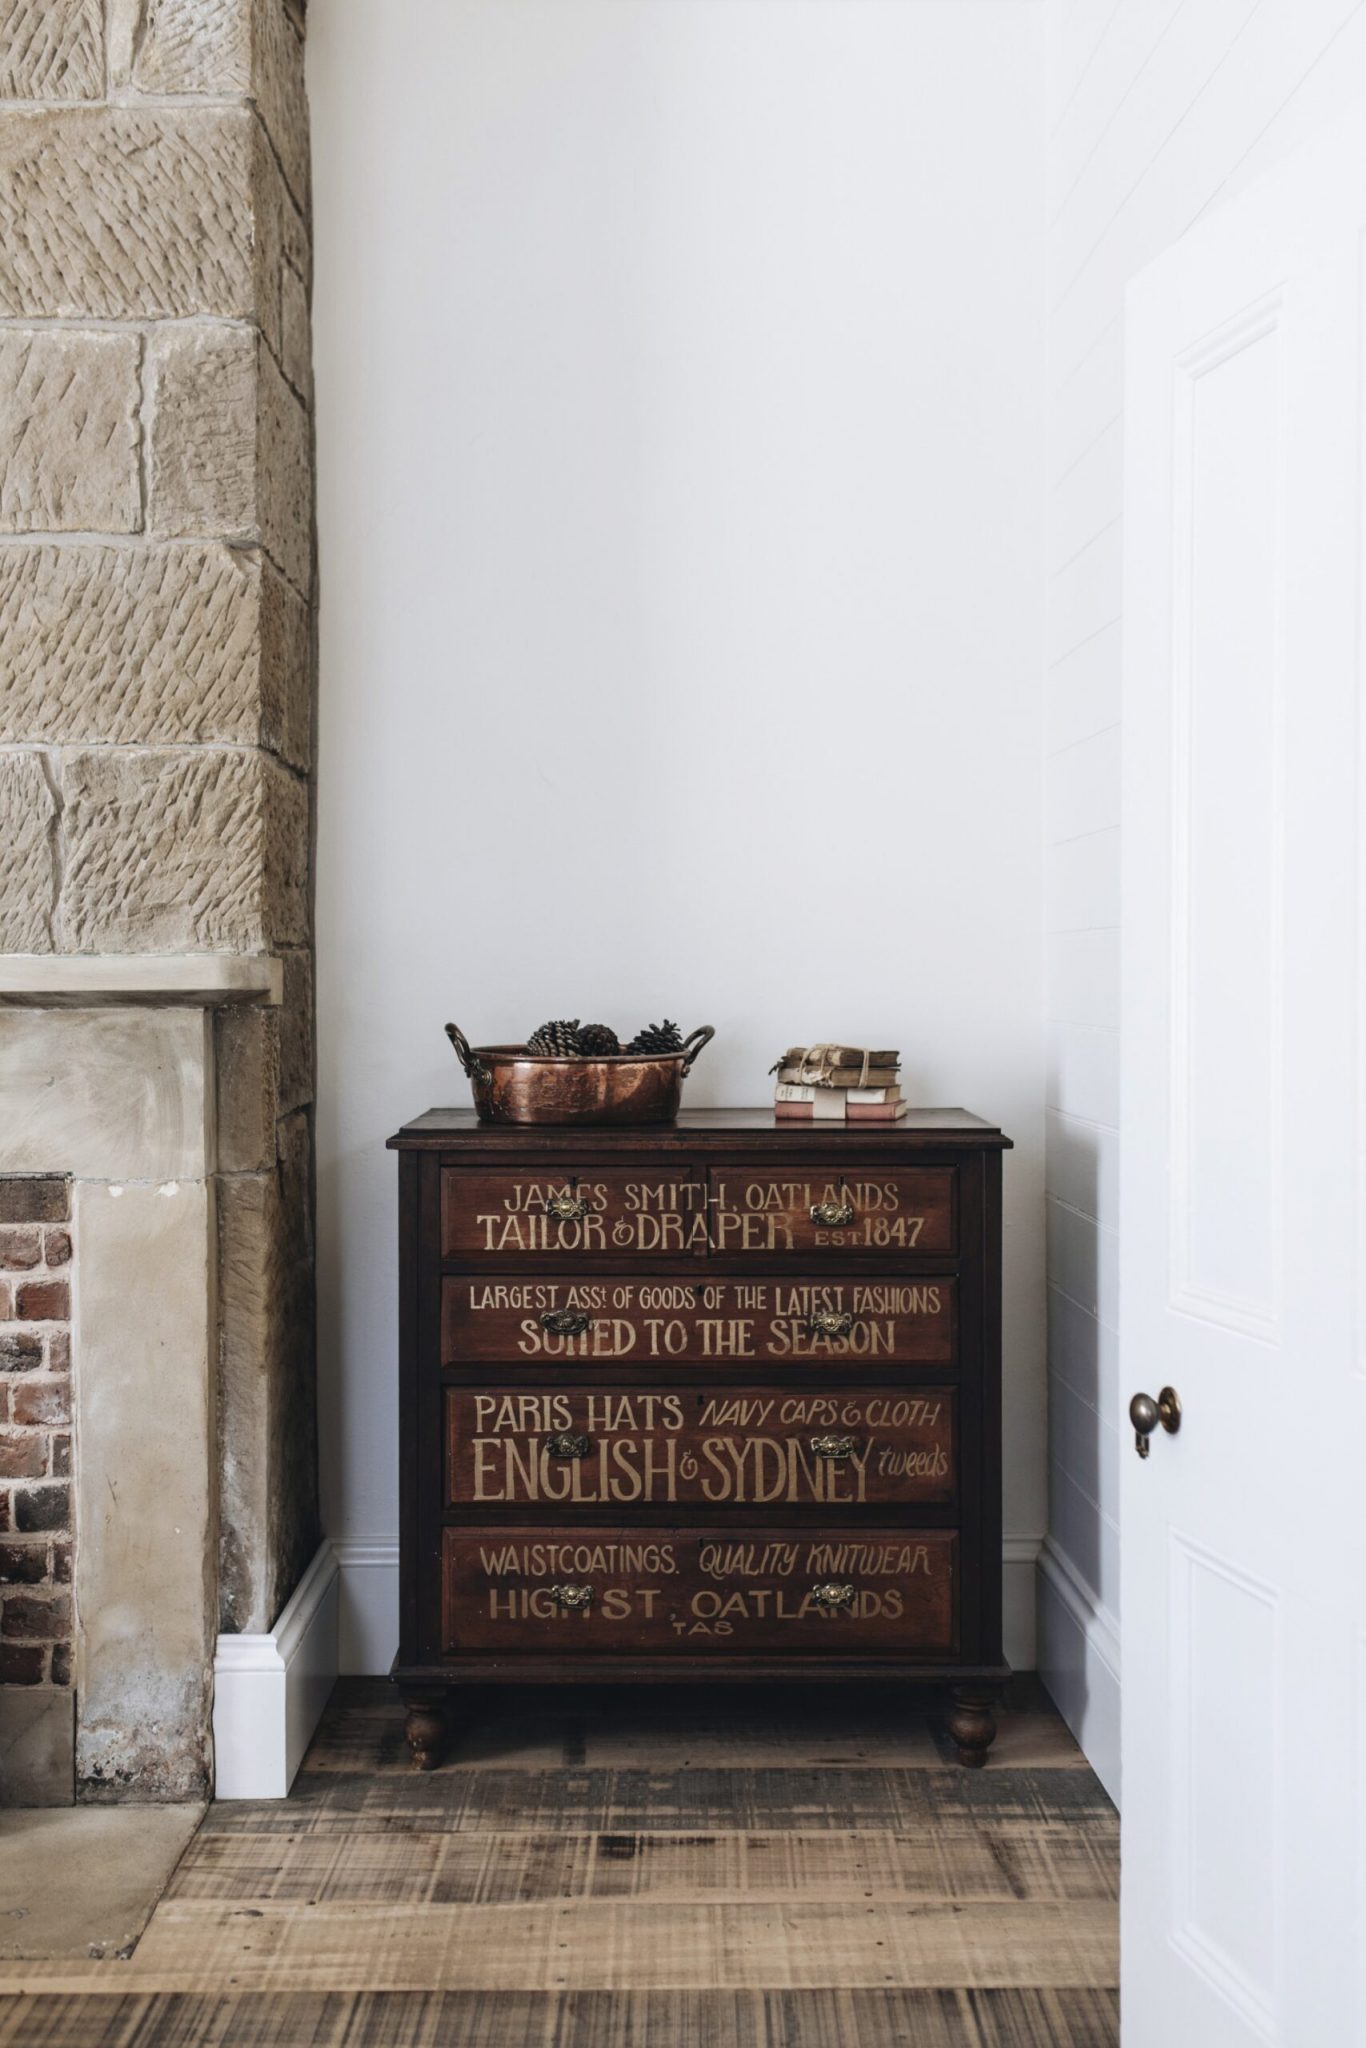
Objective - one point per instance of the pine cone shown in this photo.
(559, 1037)
(598, 1040)
(664, 1037)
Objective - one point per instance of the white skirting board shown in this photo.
(369, 1602)
(269, 1690)
(1079, 1662)
(368, 1628)
(1020, 1572)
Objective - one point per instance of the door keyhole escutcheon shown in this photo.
(1145, 1414)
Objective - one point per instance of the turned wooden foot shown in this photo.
(972, 1723)
(425, 1728)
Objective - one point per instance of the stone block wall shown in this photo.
(157, 618)
(35, 1432)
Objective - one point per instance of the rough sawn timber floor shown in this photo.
(691, 1868)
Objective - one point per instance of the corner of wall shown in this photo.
(1079, 1662)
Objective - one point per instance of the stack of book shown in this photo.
(838, 1084)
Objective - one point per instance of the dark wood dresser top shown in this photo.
(919, 1128)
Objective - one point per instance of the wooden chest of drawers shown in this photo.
(715, 1399)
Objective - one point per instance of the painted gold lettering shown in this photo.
(625, 1484)
(712, 1452)
(520, 1470)
(483, 1449)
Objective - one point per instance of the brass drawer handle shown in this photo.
(566, 1208)
(572, 1599)
(830, 1322)
(837, 1447)
(567, 1446)
(564, 1322)
(828, 1596)
(834, 1215)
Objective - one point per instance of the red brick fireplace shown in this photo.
(36, 1523)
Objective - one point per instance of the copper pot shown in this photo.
(514, 1086)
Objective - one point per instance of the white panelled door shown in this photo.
(1243, 1205)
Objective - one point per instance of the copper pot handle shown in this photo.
(690, 1051)
(475, 1070)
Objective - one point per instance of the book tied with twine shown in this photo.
(837, 1084)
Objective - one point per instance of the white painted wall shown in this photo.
(1158, 110)
(679, 378)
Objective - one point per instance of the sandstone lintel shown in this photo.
(68, 981)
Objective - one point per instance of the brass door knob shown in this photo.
(1145, 1414)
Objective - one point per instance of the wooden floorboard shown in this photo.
(661, 2019)
(1038, 1864)
(695, 1871)
(577, 1945)
(634, 1801)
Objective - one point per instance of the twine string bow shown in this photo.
(820, 1062)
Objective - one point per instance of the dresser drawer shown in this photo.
(590, 1213)
(862, 1211)
(833, 1323)
(734, 1446)
(627, 1591)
